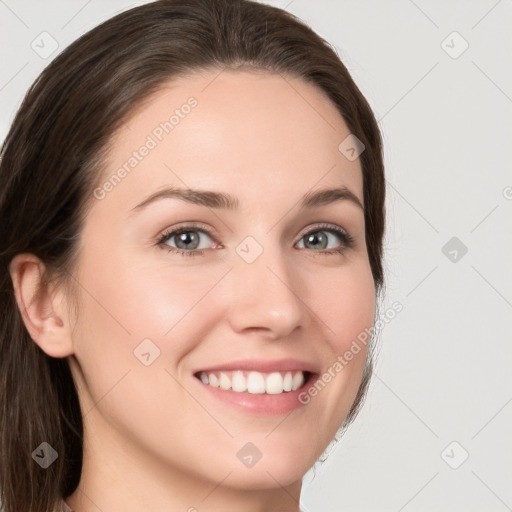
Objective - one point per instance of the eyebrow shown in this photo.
(221, 200)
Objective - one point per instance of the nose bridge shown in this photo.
(265, 292)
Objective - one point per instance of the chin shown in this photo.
(269, 476)
(281, 464)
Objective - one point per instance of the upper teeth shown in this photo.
(254, 382)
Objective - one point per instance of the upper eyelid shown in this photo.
(324, 226)
(167, 233)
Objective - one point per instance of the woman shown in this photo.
(192, 197)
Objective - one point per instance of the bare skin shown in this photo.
(155, 437)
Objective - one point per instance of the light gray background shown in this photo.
(442, 374)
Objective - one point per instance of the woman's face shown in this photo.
(266, 286)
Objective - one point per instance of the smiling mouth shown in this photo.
(253, 382)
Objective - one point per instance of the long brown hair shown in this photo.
(52, 157)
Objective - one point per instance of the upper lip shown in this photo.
(262, 365)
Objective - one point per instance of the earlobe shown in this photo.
(41, 308)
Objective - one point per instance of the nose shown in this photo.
(267, 296)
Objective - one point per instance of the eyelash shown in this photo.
(347, 240)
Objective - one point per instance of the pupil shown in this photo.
(314, 239)
(186, 238)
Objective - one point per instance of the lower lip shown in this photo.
(260, 403)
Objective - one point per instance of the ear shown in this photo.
(42, 309)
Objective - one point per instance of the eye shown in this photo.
(187, 240)
(319, 239)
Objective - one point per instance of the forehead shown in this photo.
(255, 134)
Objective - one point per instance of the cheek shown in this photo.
(127, 302)
(347, 311)
(346, 304)
(171, 303)
(123, 305)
